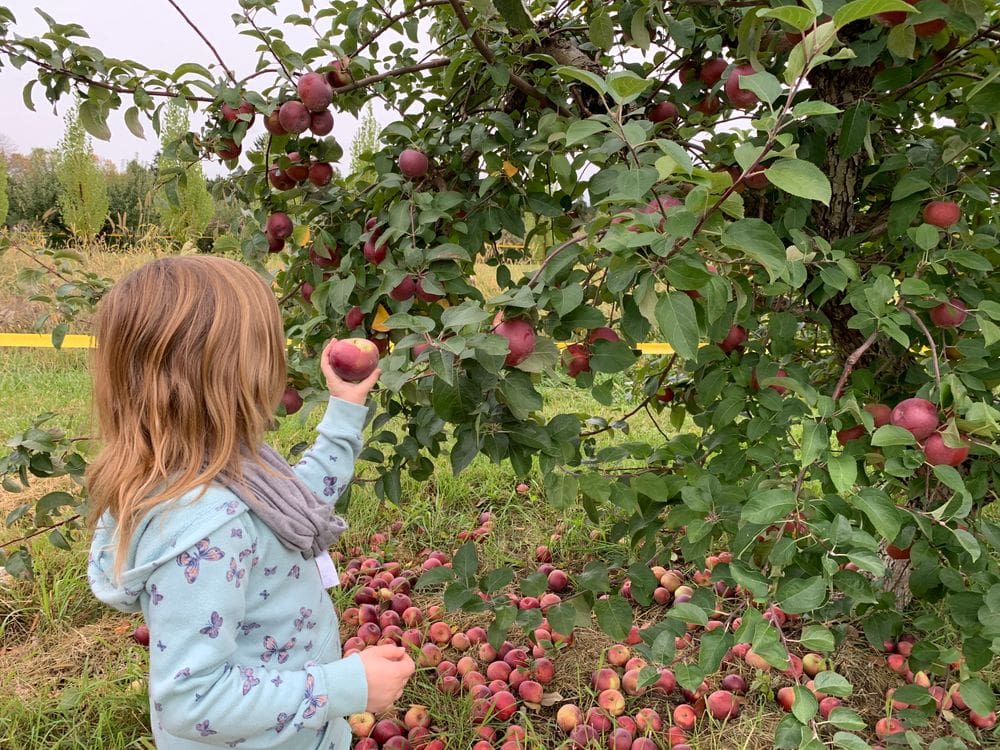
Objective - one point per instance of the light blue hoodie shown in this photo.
(244, 643)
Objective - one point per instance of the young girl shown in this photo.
(208, 531)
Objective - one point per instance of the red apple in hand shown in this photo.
(353, 359)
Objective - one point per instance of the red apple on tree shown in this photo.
(740, 97)
(315, 92)
(881, 414)
(917, 415)
(938, 453)
(321, 123)
(711, 72)
(413, 163)
(734, 339)
(520, 339)
(942, 214)
(950, 314)
(233, 114)
(279, 225)
(662, 112)
(294, 117)
(320, 174)
(339, 74)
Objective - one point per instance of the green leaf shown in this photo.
(833, 684)
(801, 178)
(581, 130)
(854, 129)
(757, 239)
(614, 616)
(902, 41)
(675, 316)
(94, 120)
(879, 510)
(800, 595)
(435, 577)
(584, 76)
(561, 490)
(496, 579)
(817, 638)
(465, 562)
(848, 741)
(798, 18)
(625, 86)
(804, 705)
(132, 121)
(888, 434)
(768, 506)
(601, 31)
(977, 695)
(515, 14)
(843, 472)
(815, 43)
(26, 95)
(855, 11)
(815, 441)
(813, 109)
(688, 612)
(845, 718)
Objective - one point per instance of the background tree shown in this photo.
(364, 146)
(83, 194)
(4, 200)
(33, 190)
(130, 200)
(182, 201)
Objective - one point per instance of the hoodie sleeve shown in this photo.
(327, 467)
(198, 691)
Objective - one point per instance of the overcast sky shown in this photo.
(147, 31)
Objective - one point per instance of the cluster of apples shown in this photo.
(921, 418)
(577, 356)
(410, 731)
(945, 699)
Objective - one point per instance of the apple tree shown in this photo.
(801, 199)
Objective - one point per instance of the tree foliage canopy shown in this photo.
(750, 182)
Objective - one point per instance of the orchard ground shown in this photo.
(73, 677)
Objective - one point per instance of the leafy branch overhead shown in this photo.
(800, 200)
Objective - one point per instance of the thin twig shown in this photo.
(229, 72)
(267, 43)
(519, 83)
(643, 404)
(930, 342)
(38, 532)
(851, 362)
(46, 266)
(439, 62)
(568, 243)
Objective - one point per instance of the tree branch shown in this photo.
(5, 47)
(439, 62)
(568, 243)
(267, 43)
(393, 20)
(851, 362)
(519, 83)
(642, 405)
(229, 72)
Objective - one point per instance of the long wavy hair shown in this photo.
(187, 374)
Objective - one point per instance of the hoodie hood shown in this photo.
(163, 535)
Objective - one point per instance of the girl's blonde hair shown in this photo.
(188, 372)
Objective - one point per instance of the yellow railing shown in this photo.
(78, 341)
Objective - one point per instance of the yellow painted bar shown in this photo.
(77, 341)
(44, 341)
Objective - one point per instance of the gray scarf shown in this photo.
(286, 504)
